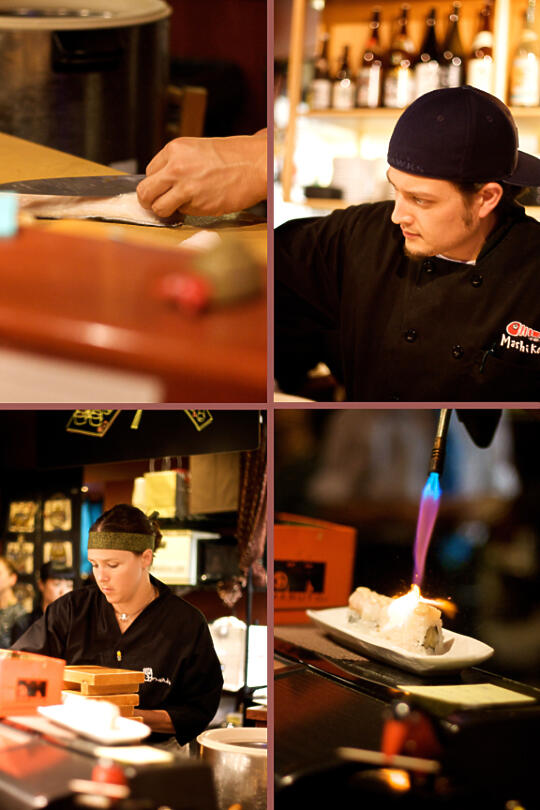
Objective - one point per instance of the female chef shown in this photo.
(129, 619)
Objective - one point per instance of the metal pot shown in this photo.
(89, 80)
(238, 759)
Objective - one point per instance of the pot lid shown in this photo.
(48, 15)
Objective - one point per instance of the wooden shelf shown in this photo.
(392, 112)
(357, 112)
(344, 19)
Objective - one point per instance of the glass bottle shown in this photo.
(428, 67)
(399, 79)
(343, 89)
(321, 84)
(370, 72)
(453, 55)
(524, 80)
(480, 65)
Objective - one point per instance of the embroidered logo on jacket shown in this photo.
(513, 336)
(149, 676)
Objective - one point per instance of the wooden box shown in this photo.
(313, 566)
(28, 680)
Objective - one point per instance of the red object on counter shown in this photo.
(109, 772)
(189, 293)
(410, 732)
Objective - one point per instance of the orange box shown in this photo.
(313, 566)
(28, 680)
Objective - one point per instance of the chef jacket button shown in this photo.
(410, 335)
(428, 266)
(458, 351)
(477, 280)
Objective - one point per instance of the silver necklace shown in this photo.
(125, 616)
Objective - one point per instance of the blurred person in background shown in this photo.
(10, 609)
(54, 581)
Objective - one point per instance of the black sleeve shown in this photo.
(307, 280)
(46, 636)
(195, 697)
(480, 424)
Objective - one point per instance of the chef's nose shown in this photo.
(401, 212)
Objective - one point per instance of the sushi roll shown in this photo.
(418, 628)
(368, 606)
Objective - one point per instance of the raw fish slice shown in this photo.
(121, 208)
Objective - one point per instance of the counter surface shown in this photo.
(89, 300)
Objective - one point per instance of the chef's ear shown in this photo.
(147, 556)
(489, 197)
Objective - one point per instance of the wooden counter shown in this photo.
(95, 308)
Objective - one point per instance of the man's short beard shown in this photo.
(466, 218)
(418, 255)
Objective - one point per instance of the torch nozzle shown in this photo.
(439, 445)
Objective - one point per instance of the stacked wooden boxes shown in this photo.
(119, 686)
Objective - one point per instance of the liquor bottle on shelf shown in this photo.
(453, 55)
(321, 85)
(428, 67)
(480, 64)
(399, 79)
(343, 89)
(524, 78)
(370, 72)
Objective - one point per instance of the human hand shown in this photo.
(206, 176)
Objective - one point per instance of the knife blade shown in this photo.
(98, 186)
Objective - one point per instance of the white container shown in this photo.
(238, 760)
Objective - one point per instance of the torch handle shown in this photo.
(439, 445)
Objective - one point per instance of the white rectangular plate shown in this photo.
(460, 651)
(126, 731)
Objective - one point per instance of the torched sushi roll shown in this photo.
(416, 627)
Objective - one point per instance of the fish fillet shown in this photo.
(121, 208)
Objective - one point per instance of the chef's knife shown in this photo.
(100, 186)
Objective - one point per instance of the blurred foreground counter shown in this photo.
(43, 767)
(333, 707)
(83, 315)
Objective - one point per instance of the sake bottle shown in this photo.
(427, 71)
(524, 80)
(321, 84)
(480, 64)
(370, 72)
(343, 90)
(453, 55)
(399, 78)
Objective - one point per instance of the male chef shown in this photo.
(434, 296)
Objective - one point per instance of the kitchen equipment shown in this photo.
(108, 185)
(238, 758)
(88, 80)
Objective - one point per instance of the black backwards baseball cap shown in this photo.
(461, 134)
(54, 570)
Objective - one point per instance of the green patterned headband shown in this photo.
(123, 541)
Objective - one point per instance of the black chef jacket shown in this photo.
(169, 641)
(394, 328)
